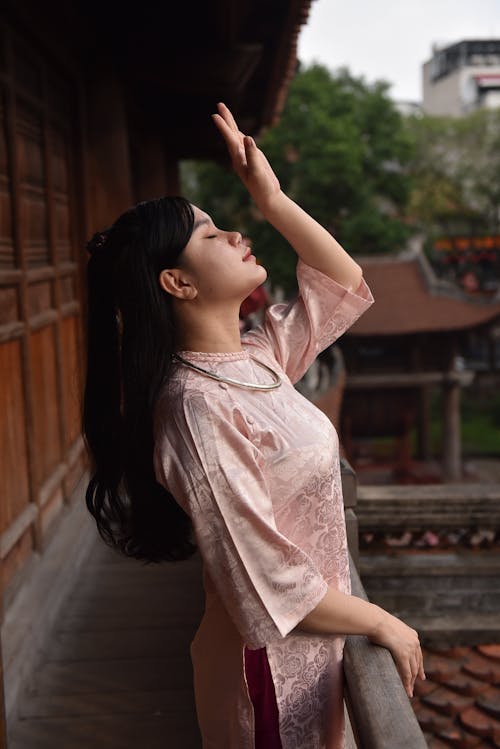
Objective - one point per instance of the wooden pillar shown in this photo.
(109, 177)
(452, 440)
(492, 359)
(155, 173)
(423, 423)
(148, 164)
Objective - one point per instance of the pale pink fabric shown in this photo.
(258, 472)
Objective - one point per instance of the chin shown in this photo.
(265, 271)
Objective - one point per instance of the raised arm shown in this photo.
(310, 240)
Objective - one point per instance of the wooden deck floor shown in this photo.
(116, 673)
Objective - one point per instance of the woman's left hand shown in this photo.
(247, 159)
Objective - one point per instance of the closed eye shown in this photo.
(211, 236)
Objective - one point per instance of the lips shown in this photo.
(247, 254)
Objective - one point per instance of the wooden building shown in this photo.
(411, 341)
(98, 103)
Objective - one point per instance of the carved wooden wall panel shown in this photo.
(6, 238)
(44, 388)
(32, 180)
(14, 484)
(72, 379)
(40, 309)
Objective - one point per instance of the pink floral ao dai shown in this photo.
(258, 472)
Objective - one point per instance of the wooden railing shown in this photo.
(379, 711)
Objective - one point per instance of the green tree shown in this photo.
(340, 150)
(455, 173)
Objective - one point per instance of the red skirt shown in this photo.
(261, 689)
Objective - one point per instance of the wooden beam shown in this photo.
(208, 72)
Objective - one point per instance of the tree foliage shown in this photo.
(455, 172)
(340, 150)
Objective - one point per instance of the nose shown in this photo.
(235, 238)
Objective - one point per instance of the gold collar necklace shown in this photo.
(230, 381)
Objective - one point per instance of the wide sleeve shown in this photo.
(294, 333)
(204, 458)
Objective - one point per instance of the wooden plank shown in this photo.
(113, 675)
(116, 665)
(43, 377)
(14, 487)
(175, 731)
(136, 643)
(164, 701)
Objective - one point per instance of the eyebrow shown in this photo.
(200, 222)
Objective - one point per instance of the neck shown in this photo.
(213, 332)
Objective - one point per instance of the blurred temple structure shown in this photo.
(412, 341)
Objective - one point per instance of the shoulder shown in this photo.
(188, 401)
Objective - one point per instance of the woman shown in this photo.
(179, 405)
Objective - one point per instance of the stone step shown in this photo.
(430, 506)
(401, 563)
(448, 630)
(448, 597)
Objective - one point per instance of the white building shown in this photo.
(462, 77)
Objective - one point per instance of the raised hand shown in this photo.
(247, 159)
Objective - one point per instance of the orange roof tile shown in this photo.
(409, 298)
(458, 705)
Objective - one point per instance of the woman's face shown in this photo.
(213, 264)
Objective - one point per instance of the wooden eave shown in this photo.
(179, 59)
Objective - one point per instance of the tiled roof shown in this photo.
(409, 299)
(458, 705)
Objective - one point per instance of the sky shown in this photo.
(390, 39)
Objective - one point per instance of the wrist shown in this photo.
(377, 622)
(270, 205)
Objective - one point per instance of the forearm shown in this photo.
(339, 613)
(311, 241)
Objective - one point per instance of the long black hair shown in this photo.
(130, 341)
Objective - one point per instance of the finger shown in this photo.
(231, 138)
(226, 113)
(234, 146)
(224, 128)
(250, 150)
(415, 666)
(406, 677)
(421, 671)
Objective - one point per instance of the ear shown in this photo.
(176, 282)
